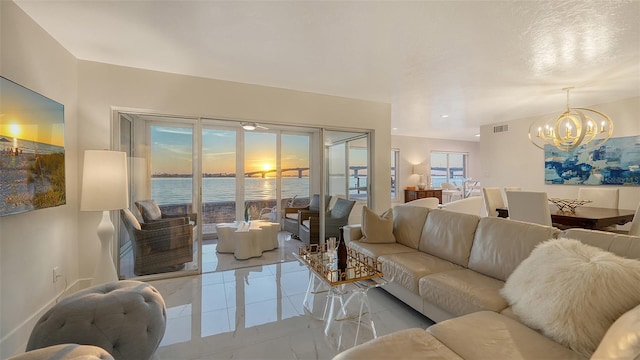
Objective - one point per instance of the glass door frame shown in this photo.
(317, 166)
(359, 134)
(116, 145)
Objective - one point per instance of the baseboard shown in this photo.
(15, 342)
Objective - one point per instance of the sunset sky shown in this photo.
(27, 115)
(172, 151)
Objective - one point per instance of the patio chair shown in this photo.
(337, 217)
(293, 216)
(151, 212)
(271, 213)
(160, 246)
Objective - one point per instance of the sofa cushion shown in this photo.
(622, 245)
(622, 340)
(127, 217)
(377, 229)
(500, 245)
(406, 269)
(462, 292)
(377, 250)
(573, 292)
(449, 235)
(149, 209)
(410, 343)
(408, 222)
(489, 335)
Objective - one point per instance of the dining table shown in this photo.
(585, 217)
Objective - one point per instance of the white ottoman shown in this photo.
(247, 240)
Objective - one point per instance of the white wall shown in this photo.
(415, 150)
(509, 158)
(32, 243)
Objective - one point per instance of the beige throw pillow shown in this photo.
(573, 292)
(377, 229)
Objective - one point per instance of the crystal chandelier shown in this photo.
(574, 127)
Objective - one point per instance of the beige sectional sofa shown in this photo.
(452, 266)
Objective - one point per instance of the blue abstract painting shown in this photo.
(616, 162)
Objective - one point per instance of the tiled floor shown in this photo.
(256, 313)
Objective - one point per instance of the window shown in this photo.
(448, 167)
(395, 156)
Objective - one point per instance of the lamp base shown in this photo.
(105, 270)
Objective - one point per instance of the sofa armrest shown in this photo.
(352, 232)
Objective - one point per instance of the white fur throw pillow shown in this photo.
(377, 229)
(573, 292)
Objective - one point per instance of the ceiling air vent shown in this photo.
(500, 128)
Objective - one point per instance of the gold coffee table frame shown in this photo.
(340, 298)
(359, 266)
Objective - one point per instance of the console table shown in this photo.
(410, 195)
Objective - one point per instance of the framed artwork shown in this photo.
(31, 150)
(616, 162)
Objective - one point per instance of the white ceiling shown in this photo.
(479, 62)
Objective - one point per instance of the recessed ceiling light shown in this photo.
(394, 128)
(444, 116)
(477, 135)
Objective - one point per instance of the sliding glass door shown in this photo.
(348, 165)
(159, 232)
(262, 170)
(206, 171)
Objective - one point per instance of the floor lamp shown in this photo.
(104, 188)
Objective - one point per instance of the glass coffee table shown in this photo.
(339, 298)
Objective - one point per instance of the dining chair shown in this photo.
(529, 206)
(509, 188)
(492, 200)
(600, 197)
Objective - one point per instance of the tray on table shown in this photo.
(324, 264)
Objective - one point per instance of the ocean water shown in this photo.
(178, 190)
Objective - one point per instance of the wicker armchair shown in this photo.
(151, 212)
(336, 218)
(293, 216)
(160, 246)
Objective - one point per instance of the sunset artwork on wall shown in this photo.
(31, 150)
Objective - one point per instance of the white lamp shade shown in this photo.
(421, 169)
(104, 181)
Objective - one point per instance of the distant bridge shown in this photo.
(263, 173)
(300, 170)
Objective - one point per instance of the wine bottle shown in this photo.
(342, 253)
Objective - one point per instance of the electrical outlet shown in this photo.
(56, 273)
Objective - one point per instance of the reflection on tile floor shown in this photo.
(256, 313)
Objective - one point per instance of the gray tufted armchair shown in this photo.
(125, 318)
